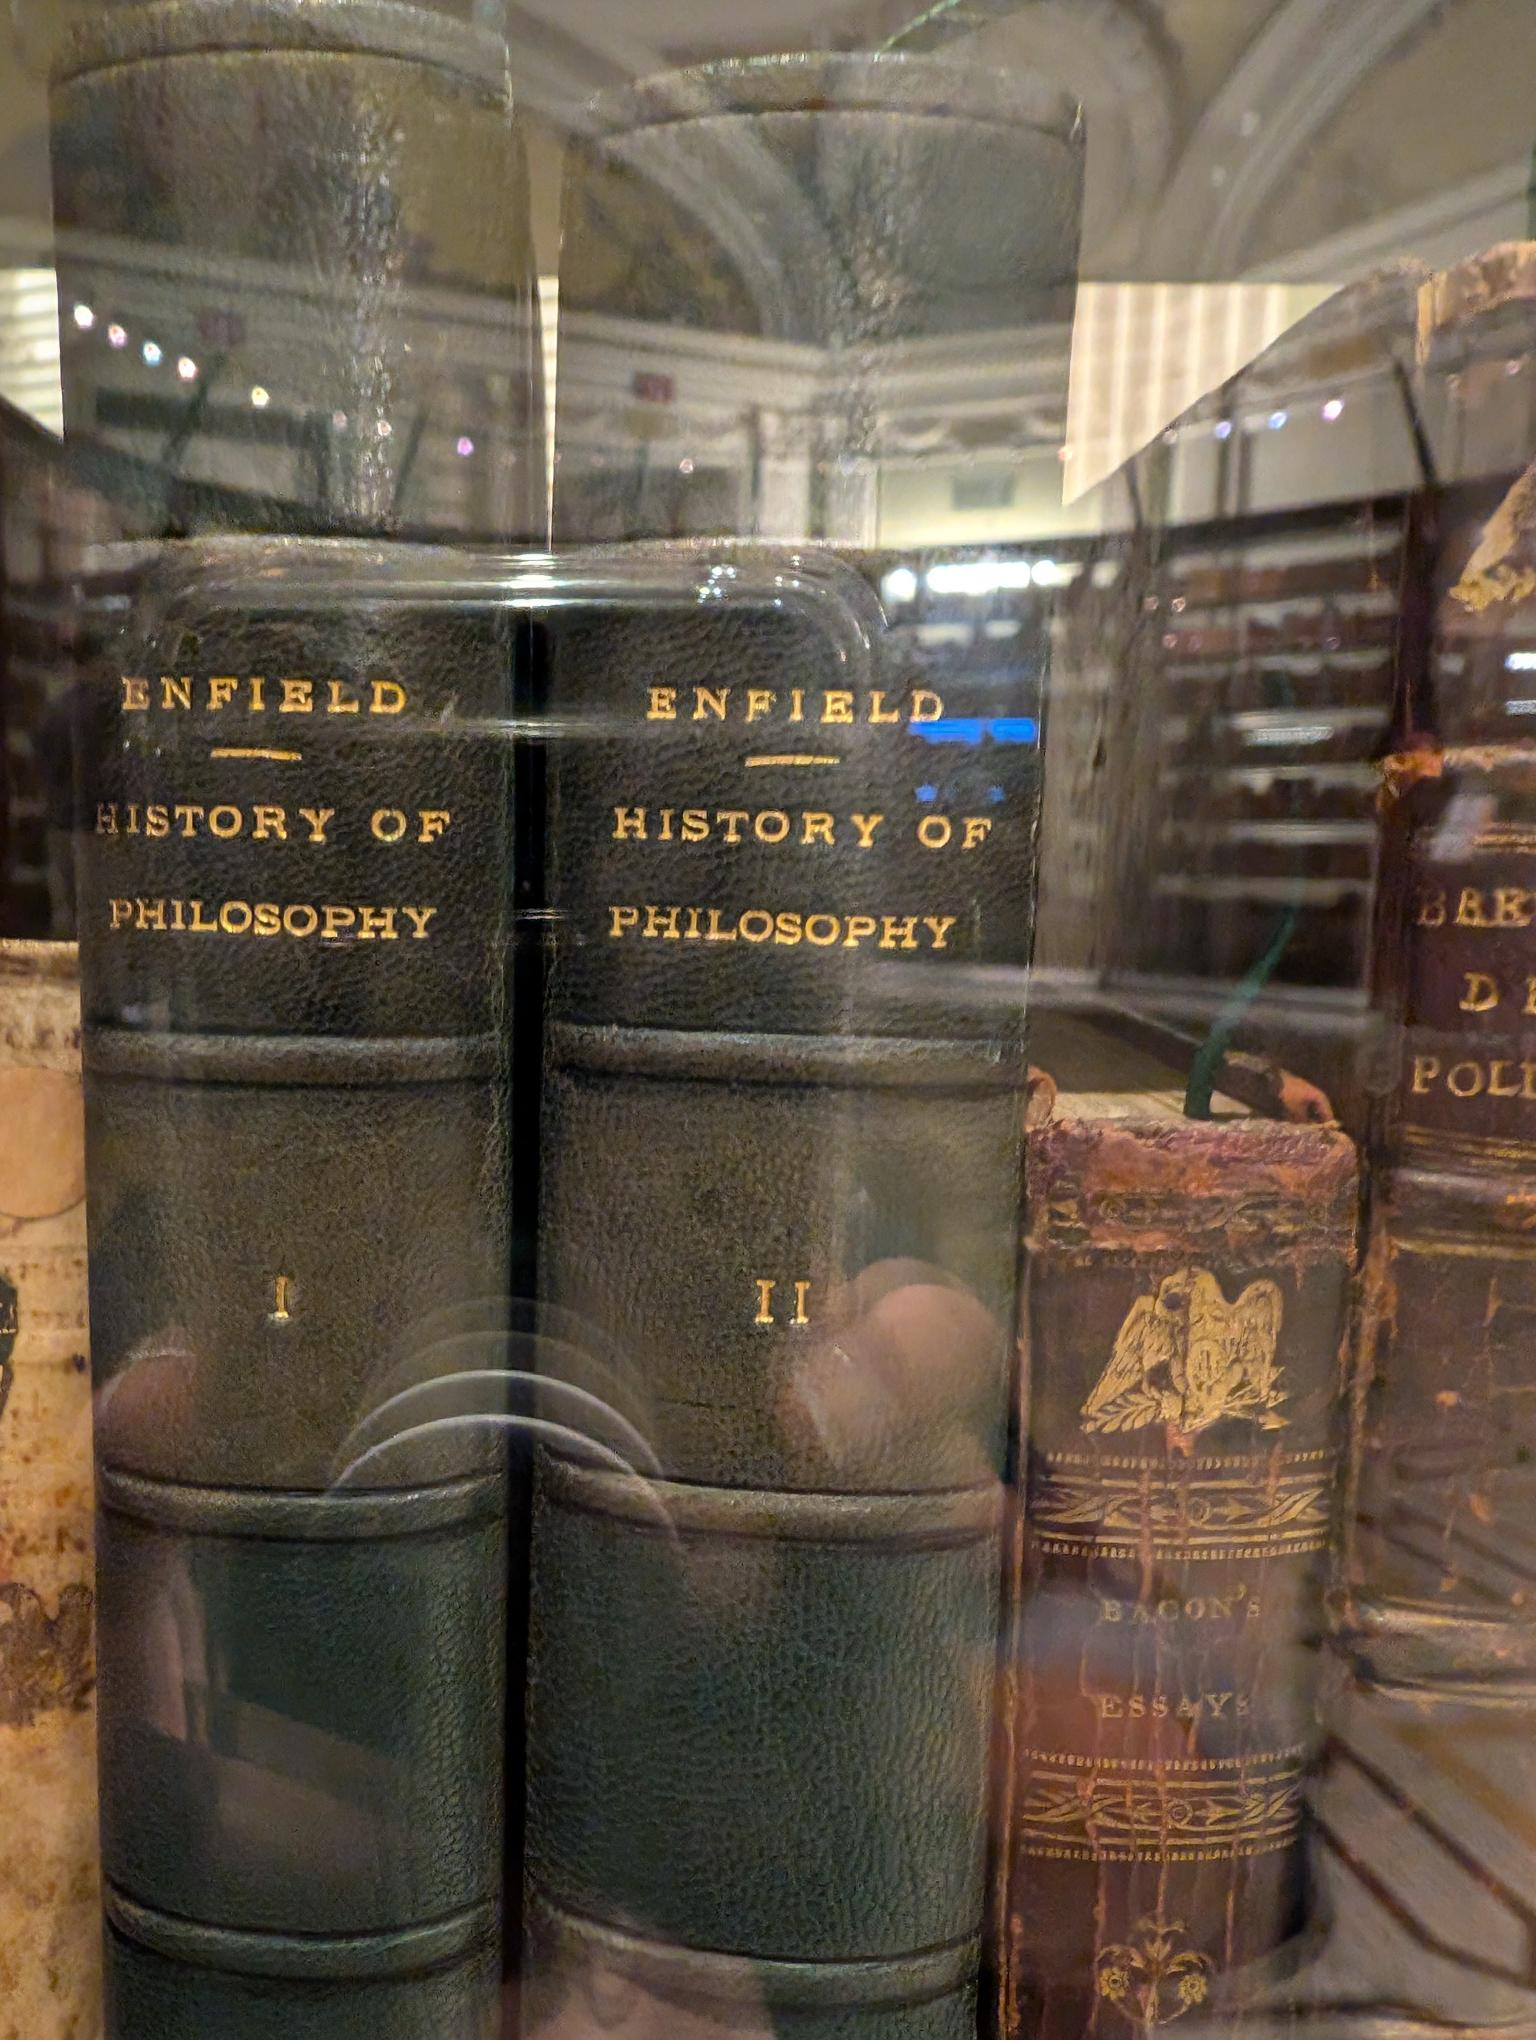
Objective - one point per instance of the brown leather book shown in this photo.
(1442, 1559)
(1186, 1379)
(1427, 1799)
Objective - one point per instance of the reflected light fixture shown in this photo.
(979, 577)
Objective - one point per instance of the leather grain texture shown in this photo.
(586, 1975)
(182, 1280)
(303, 168)
(683, 785)
(725, 1400)
(303, 1542)
(1188, 1288)
(690, 1662)
(341, 1773)
(400, 718)
(162, 1998)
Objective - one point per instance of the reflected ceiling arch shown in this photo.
(734, 187)
(1112, 55)
(1298, 72)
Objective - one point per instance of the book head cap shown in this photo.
(828, 200)
(165, 29)
(277, 307)
(825, 243)
(824, 81)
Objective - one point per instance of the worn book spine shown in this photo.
(295, 810)
(1442, 1565)
(1187, 1287)
(782, 1184)
(1441, 1568)
(50, 1934)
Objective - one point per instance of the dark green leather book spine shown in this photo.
(781, 1192)
(295, 812)
(793, 843)
(1187, 1323)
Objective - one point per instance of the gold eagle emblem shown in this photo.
(1185, 1357)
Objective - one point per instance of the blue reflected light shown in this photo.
(971, 729)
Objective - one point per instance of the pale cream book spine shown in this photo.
(50, 1928)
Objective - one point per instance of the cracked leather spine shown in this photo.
(292, 928)
(1440, 1568)
(1440, 1565)
(783, 1171)
(1187, 1291)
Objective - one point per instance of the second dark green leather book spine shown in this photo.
(782, 1173)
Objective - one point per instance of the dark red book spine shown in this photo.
(1187, 1291)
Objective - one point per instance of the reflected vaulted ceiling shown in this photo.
(1294, 139)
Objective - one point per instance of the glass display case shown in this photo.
(767, 1000)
